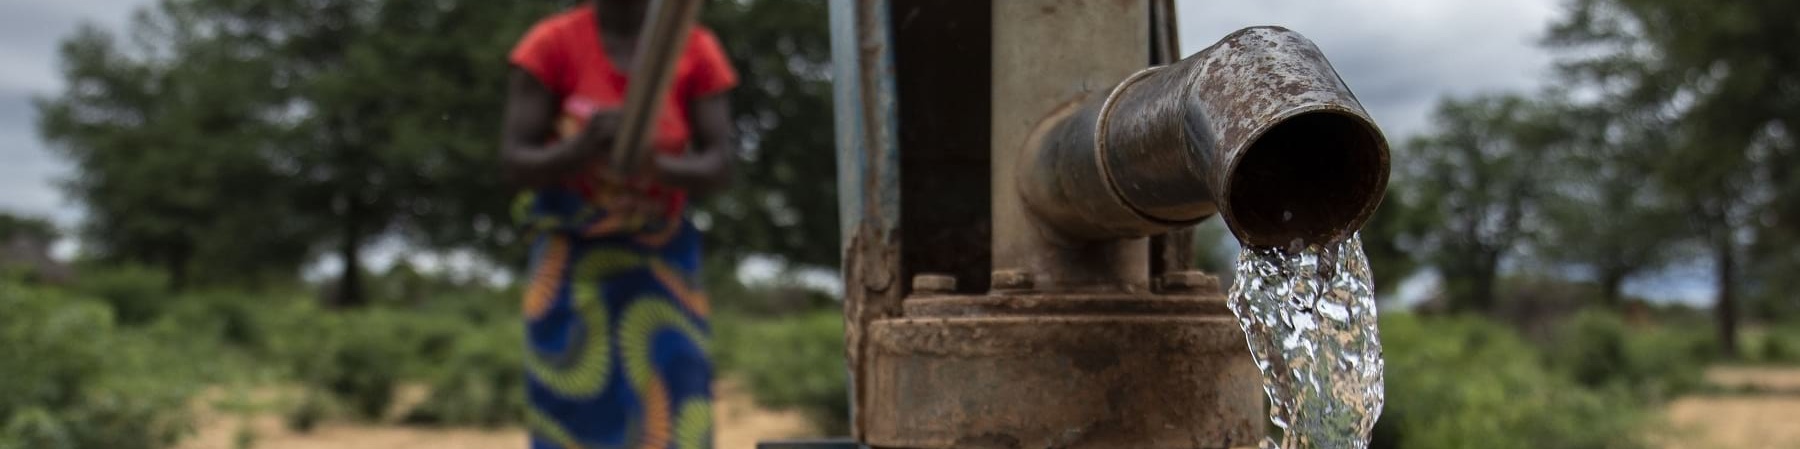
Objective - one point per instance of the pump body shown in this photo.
(1017, 180)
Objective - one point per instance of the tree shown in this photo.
(784, 199)
(1723, 73)
(166, 142)
(1390, 239)
(398, 106)
(231, 135)
(250, 126)
(1600, 213)
(1480, 174)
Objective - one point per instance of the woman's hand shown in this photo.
(707, 169)
(594, 144)
(531, 114)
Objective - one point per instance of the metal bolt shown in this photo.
(933, 283)
(1011, 280)
(1190, 281)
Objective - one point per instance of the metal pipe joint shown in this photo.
(1257, 128)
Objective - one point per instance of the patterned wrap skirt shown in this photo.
(617, 332)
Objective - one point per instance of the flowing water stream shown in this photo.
(1309, 315)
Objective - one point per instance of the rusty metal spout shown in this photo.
(1257, 128)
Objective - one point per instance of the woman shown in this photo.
(615, 323)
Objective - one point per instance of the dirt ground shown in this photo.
(1767, 418)
(740, 425)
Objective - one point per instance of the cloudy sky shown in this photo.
(1399, 56)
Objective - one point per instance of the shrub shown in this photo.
(480, 382)
(355, 358)
(1460, 382)
(135, 293)
(70, 379)
(1780, 345)
(791, 362)
(1599, 350)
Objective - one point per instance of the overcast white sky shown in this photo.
(1399, 56)
(29, 31)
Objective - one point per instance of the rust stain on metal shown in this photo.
(1200, 303)
(1258, 127)
(933, 284)
(1190, 281)
(1074, 345)
(1063, 382)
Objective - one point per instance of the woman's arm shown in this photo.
(531, 112)
(708, 168)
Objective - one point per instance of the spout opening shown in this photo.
(1313, 178)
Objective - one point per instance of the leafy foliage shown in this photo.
(1461, 382)
(785, 199)
(131, 290)
(1600, 351)
(792, 362)
(1717, 75)
(170, 152)
(1480, 177)
(75, 380)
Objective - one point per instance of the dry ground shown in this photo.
(740, 425)
(1769, 418)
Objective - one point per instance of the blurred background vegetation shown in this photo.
(221, 145)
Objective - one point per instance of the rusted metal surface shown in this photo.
(933, 284)
(1173, 250)
(1257, 127)
(1188, 281)
(1198, 303)
(1041, 317)
(868, 177)
(1041, 66)
(1165, 37)
(1062, 382)
(1013, 280)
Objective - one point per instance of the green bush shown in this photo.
(136, 294)
(791, 362)
(1465, 383)
(1780, 345)
(358, 358)
(70, 379)
(480, 382)
(1599, 350)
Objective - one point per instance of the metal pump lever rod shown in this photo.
(657, 53)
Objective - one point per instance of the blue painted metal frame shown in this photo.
(864, 101)
(868, 162)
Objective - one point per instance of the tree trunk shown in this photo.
(1610, 285)
(1726, 308)
(1482, 293)
(178, 272)
(350, 292)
